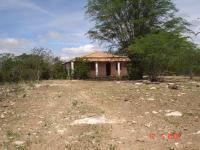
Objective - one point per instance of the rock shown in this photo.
(154, 112)
(148, 125)
(151, 99)
(175, 114)
(138, 83)
(2, 116)
(133, 122)
(173, 86)
(126, 100)
(153, 88)
(40, 122)
(196, 133)
(4, 105)
(140, 140)
(12, 103)
(19, 143)
(176, 144)
(24, 95)
(61, 131)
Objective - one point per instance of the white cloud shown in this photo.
(5, 51)
(15, 46)
(69, 53)
(11, 42)
(82, 49)
(55, 36)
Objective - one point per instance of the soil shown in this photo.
(100, 115)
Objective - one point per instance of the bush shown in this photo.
(81, 69)
(135, 69)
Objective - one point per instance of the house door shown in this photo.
(108, 69)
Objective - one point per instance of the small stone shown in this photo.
(148, 125)
(60, 131)
(24, 95)
(151, 99)
(133, 122)
(12, 103)
(175, 114)
(173, 86)
(176, 144)
(40, 122)
(153, 88)
(18, 143)
(154, 112)
(140, 140)
(2, 116)
(126, 100)
(196, 133)
(138, 83)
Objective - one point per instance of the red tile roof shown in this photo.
(103, 56)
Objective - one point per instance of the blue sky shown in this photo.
(60, 25)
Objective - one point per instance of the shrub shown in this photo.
(81, 68)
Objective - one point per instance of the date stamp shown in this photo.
(169, 136)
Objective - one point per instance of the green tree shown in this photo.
(166, 52)
(121, 22)
(81, 69)
(43, 58)
(7, 61)
(57, 69)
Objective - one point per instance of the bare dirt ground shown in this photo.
(100, 115)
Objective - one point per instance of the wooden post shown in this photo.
(97, 69)
(118, 69)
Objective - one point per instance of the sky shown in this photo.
(61, 25)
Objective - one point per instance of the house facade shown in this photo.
(103, 65)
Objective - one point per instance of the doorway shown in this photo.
(108, 69)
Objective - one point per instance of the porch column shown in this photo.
(72, 67)
(68, 70)
(97, 68)
(118, 69)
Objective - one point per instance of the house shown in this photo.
(103, 65)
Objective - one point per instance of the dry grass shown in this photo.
(40, 115)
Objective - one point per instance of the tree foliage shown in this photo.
(166, 52)
(81, 69)
(120, 22)
(39, 64)
(149, 32)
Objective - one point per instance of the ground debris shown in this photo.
(173, 86)
(2, 116)
(96, 120)
(19, 143)
(151, 99)
(174, 113)
(198, 132)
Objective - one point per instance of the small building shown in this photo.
(103, 65)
